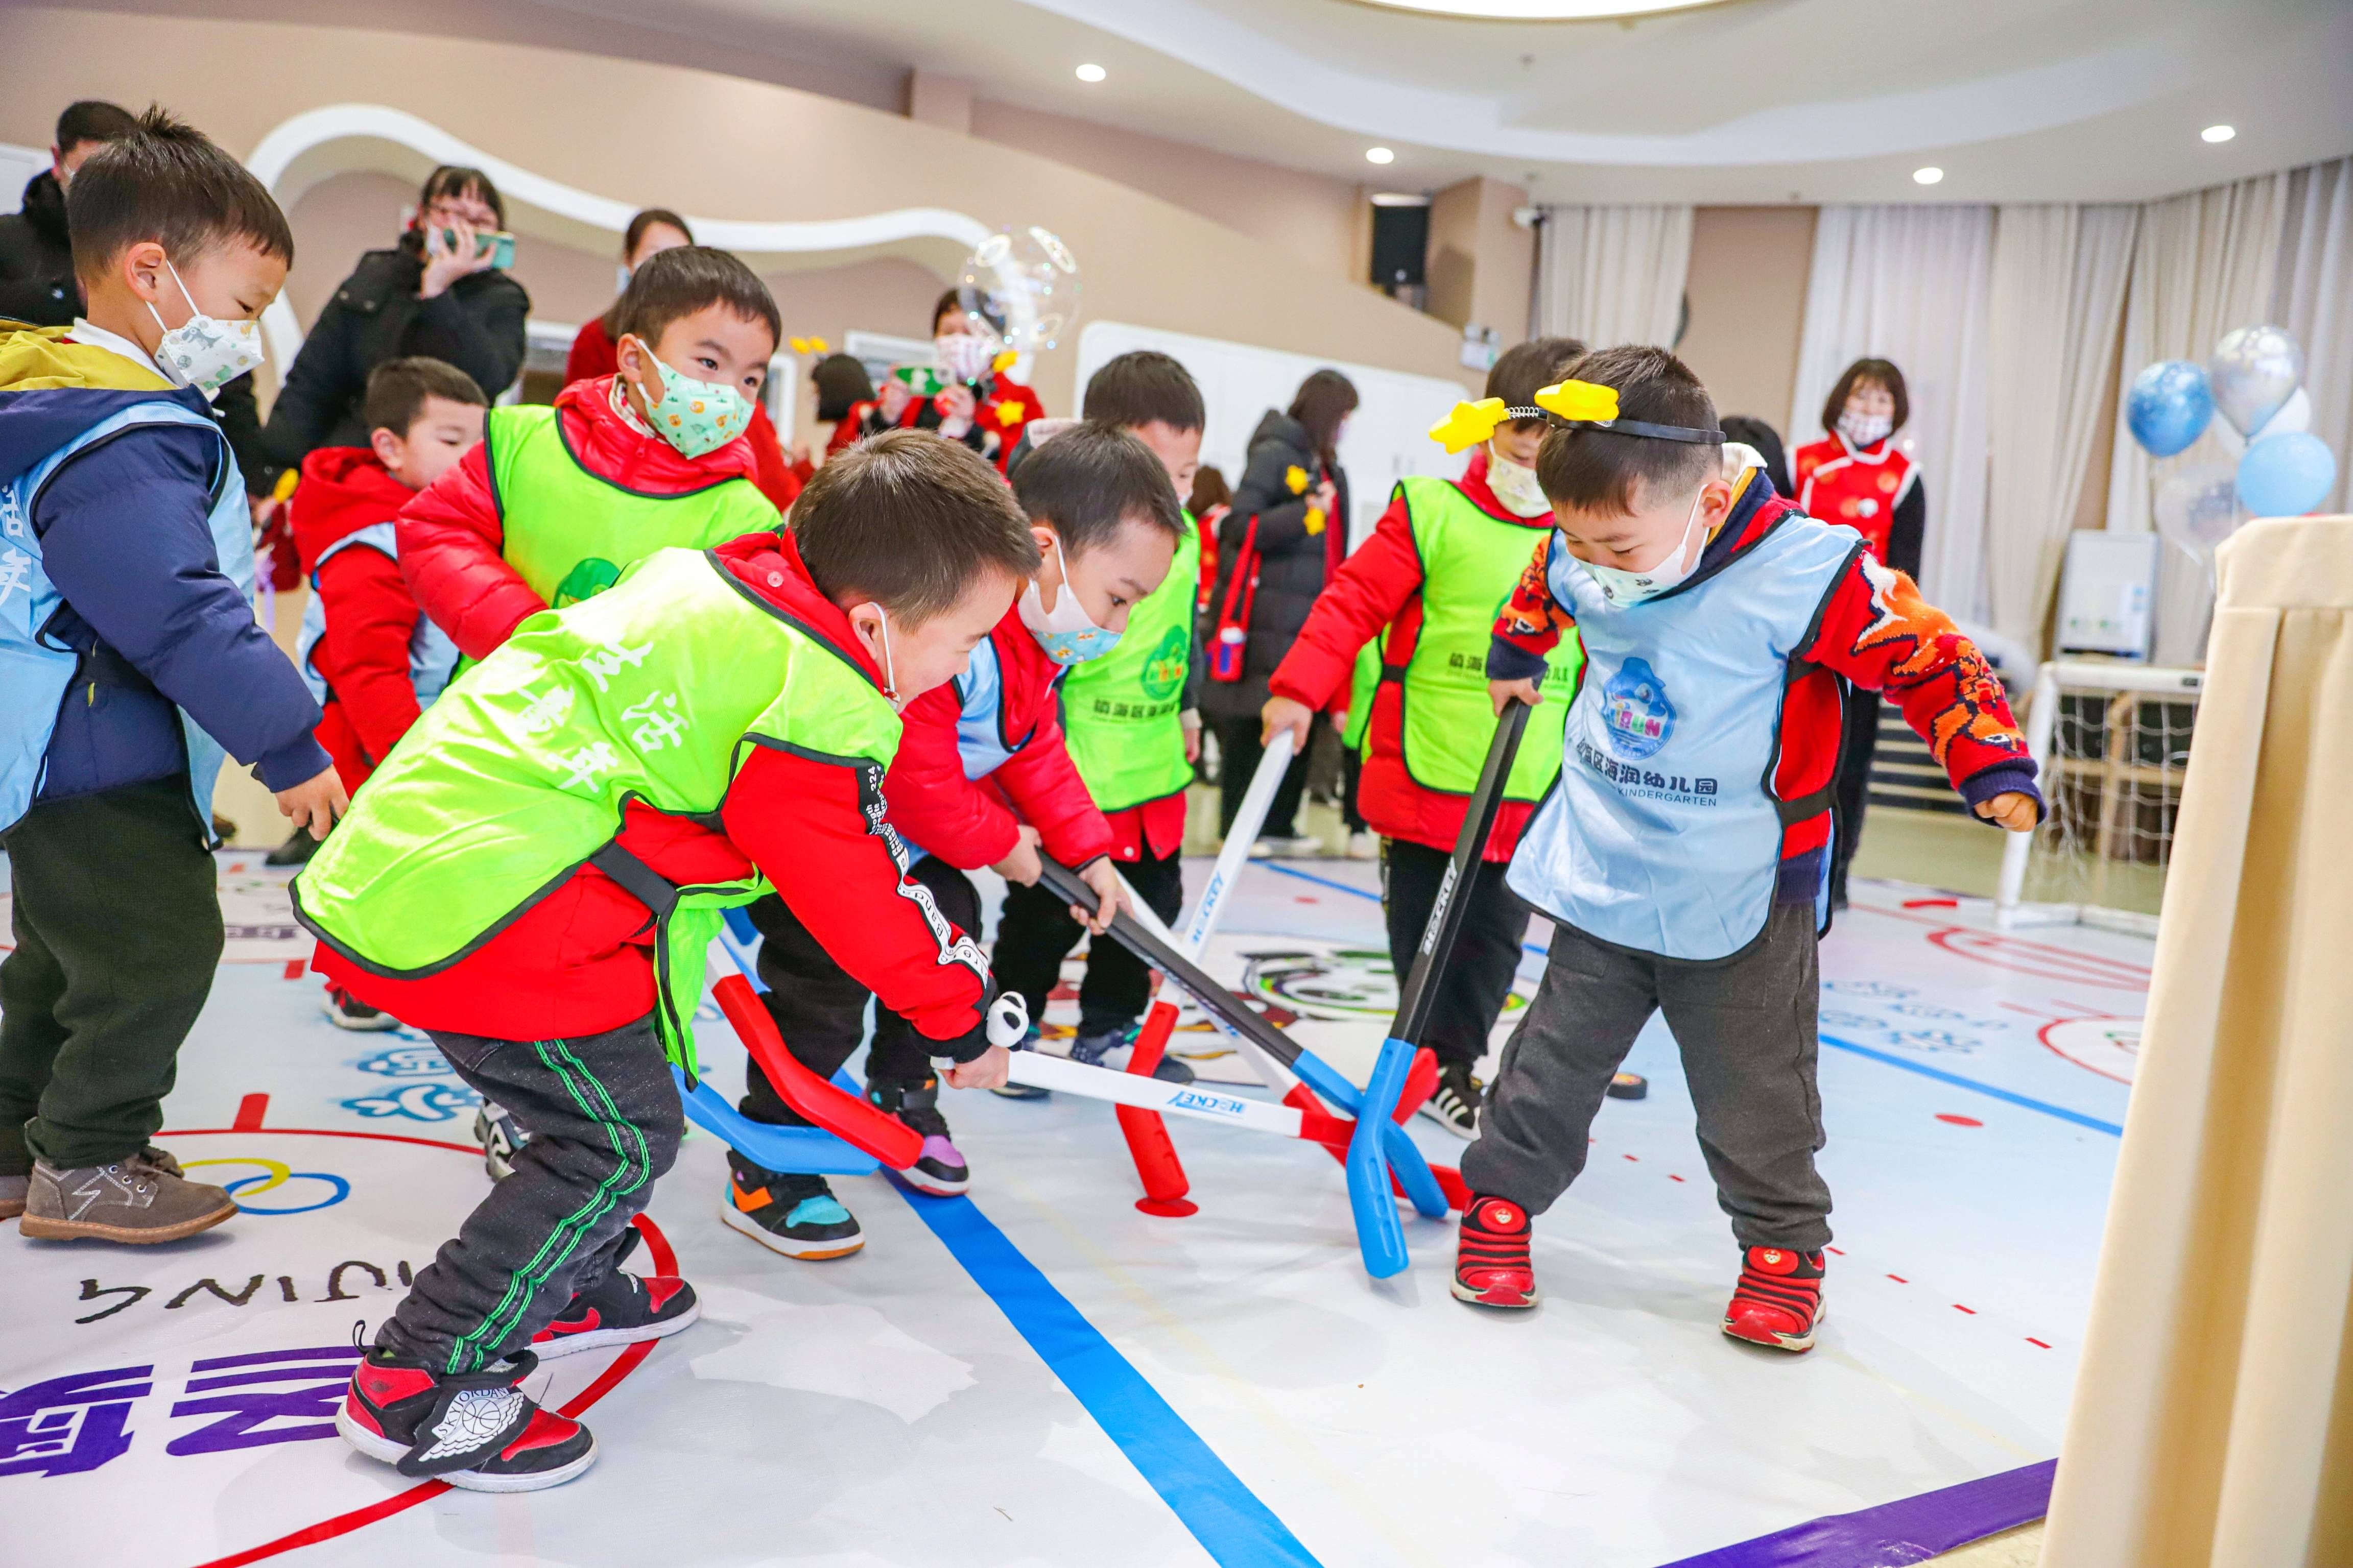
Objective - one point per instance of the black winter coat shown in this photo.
(1283, 470)
(476, 324)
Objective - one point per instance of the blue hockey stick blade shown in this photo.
(1412, 1170)
(1380, 1234)
(792, 1151)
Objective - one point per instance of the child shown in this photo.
(981, 778)
(372, 659)
(980, 406)
(129, 658)
(535, 875)
(1682, 854)
(1442, 557)
(1134, 731)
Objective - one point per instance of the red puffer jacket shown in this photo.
(1000, 722)
(370, 614)
(452, 537)
(779, 478)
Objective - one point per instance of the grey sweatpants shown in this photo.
(1746, 1025)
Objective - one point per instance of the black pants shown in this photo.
(603, 1119)
(1853, 792)
(1746, 1025)
(820, 1010)
(1352, 779)
(1035, 932)
(117, 928)
(1478, 974)
(1239, 750)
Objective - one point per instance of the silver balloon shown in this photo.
(2198, 507)
(2255, 370)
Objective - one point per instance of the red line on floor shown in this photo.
(1636, 1158)
(294, 967)
(1674, 1178)
(1834, 1249)
(474, 1149)
(1972, 1312)
(249, 1112)
(2033, 1341)
(1899, 1280)
(1932, 903)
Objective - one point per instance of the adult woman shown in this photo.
(1858, 476)
(595, 353)
(978, 404)
(440, 292)
(1287, 530)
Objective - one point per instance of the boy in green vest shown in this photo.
(536, 872)
(1132, 727)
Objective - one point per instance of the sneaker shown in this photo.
(940, 1170)
(1095, 1052)
(500, 1138)
(620, 1309)
(346, 1011)
(1455, 1105)
(11, 1194)
(797, 1215)
(138, 1200)
(296, 851)
(1024, 1091)
(1289, 846)
(1778, 1301)
(1364, 845)
(1491, 1267)
(477, 1431)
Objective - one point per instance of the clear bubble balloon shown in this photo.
(2255, 370)
(2197, 509)
(1021, 288)
(2168, 406)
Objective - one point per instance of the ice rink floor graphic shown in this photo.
(1039, 1375)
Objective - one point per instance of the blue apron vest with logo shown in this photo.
(1663, 833)
(34, 672)
(432, 656)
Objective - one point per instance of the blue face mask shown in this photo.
(1067, 632)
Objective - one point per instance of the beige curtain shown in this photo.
(2315, 301)
(2059, 275)
(1610, 274)
(2212, 1424)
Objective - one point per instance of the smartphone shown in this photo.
(499, 243)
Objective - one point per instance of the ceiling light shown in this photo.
(1543, 10)
(1091, 72)
(2217, 133)
(1379, 156)
(1927, 176)
(1399, 199)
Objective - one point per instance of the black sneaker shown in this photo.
(1455, 1105)
(478, 1431)
(940, 1170)
(1096, 1050)
(501, 1139)
(620, 1309)
(346, 1011)
(797, 1215)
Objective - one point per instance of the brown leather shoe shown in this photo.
(139, 1200)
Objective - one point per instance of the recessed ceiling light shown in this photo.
(1543, 10)
(1927, 176)
(2217, 133)
(1379, 156)
(1091, 72)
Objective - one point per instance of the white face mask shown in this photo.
(1515, 486)
(963, 356)
(1622, 588)
(207, 354)
(1865, 429)
(1067, 634)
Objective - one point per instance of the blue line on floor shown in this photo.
(1957, 1081)
(1225, 1516)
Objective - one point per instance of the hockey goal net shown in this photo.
(2111, 745)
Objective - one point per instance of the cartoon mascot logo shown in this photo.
(1635, 710)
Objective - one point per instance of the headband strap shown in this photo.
(1567, 406)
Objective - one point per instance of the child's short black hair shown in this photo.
(397, 388)
(1880, 373)
(93, 120)
(164, 180)
(1144, 386)
(1085, 483)
(1603, 471)
(1526, 369)
(910, 521)
(675, 283)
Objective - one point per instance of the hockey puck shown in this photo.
(1629, 1086)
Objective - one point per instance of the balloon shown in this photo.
(1021, 288)
(2286, 475)
(2251, 373)
(2294, 414)
(2169, 405)
(2196, 509)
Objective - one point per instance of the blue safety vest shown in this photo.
(35, 672)
(432, 656)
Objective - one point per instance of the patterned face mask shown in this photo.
(1865, 429)
(1622, 588)
(206, 352)
(1067, 634)
(698, 418)
(1515, 486)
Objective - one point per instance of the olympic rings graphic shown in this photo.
(275, 1174)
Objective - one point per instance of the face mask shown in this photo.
(889, 676)
(1623, 588)
(964, 357)
(1067, 632)
(1515, 486)
(207, 354)
(698, 418)
(1865, 429)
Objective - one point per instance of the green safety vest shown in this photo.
(1470, 561)
(518, 775)
(1121, 715)
(1363, 681)
(571, 533)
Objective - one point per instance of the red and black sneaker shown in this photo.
(1491, 1260)
(621, 1310)
(478, 1431)
(1778, 1300)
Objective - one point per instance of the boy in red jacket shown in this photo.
(982, 778)
(371, 657)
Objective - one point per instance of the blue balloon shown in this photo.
(2169, 405)
(2286, 475)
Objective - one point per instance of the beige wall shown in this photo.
(1481, 264)
(1747, 296)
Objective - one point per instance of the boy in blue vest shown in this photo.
(129, 659)
(1683, 854)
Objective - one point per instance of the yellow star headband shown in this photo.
(1570, 404)
(808, 345)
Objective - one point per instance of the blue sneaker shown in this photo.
(797, 1215)
(1024, 1091)
(1095, 1050)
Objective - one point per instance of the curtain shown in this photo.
(2202, 264)
(2212, 1421)
(2057, 304)
(2314, 300)
(1612, 275)
(1913, 285)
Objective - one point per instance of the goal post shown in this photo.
(2111, 747)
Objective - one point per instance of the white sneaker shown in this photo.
(1364, 845)
(501, 1139)
(1299, 847)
